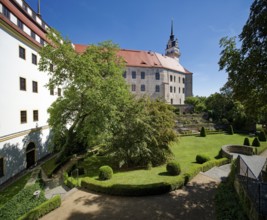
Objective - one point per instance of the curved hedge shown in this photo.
(42, 209)
(148, 189)
(202, 158)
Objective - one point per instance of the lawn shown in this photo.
(184, 151)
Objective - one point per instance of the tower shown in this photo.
(172, 49)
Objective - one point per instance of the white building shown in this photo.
(24, 131)
(24, 98)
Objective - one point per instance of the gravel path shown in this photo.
(195, 201)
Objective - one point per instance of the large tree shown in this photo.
(93, 91)
(247, 65)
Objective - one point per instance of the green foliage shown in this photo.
(202, 158)
(173, 168)
(10, 191)
(203, 132)
(256, 142)
(246, 65)
(197, 102)
(262, 136)
(246, 142)
(230, 130)
(94, 92)
(49, 166)
(105, 173)
(21, 203)
(145, 129)
(42, 209)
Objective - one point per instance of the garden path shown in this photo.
(195, 201)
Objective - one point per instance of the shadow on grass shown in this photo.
(164, 174)
(196, 201)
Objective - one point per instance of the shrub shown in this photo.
(105, 173)
(231, 130)
(202, 132)
(256, 142)
(246, 142)
(262, 136)
(42, 209)
(149, 166)
(202, 158)
(173, 168)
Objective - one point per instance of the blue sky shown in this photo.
(145, 25)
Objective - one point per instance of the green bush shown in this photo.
(105, 173)
(22, 203)
(173, 168)
(262, 136)
(256, 142)
(246, 142)
(202, 158)
(42, 209)
(203, 132)
(231, 130)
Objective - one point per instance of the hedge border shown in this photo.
(88, 183)
(42, 209)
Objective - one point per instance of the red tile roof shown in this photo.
(140, 58)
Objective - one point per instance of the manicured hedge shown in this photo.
(148, 189)
(202, 158)
(42, 209)
(173, 168)
(22, 203)
(105, 173)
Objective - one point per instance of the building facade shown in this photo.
(24, 131)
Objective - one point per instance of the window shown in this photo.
(133, 87)
(179, 90)
(23, 117)
(59, 91)
(143, 88)
(174, 78)
(20, 24)
(51, 67)
(183, 80)
(22, 84)
(133, 75)
(180, 101)
(6, 12)
(143, 75)
(170, 88)
(179, 79)
(171, 78)
(42, 41)
(35, 115)
(171, 101)
(33, 35)
(2, 167)
(34, 86)
(52, 91)
(183, 90)
(34, 59)
(22, 53)
(157, 76)
(24, 6)
(174, 89)
(157, 88)
(124, 74)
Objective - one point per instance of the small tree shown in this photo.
(231, 130)
(246, 142)
(203, 132)
(105, 173)
(256, 142)
(262, 136)
(173, 168)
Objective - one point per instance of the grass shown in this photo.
(13, 189)
(184, 151)
(49, 166)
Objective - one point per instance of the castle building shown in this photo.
(24, 131)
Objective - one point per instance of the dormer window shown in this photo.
(6, 12)
(20, 24)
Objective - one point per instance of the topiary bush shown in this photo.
(173, 168)
(246, 142)
(202, 158)
(262, 136)
(105, 173)
(231, 130)
(256, 142)
(203, 132)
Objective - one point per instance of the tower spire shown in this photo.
(172, 28)
(39, 8)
